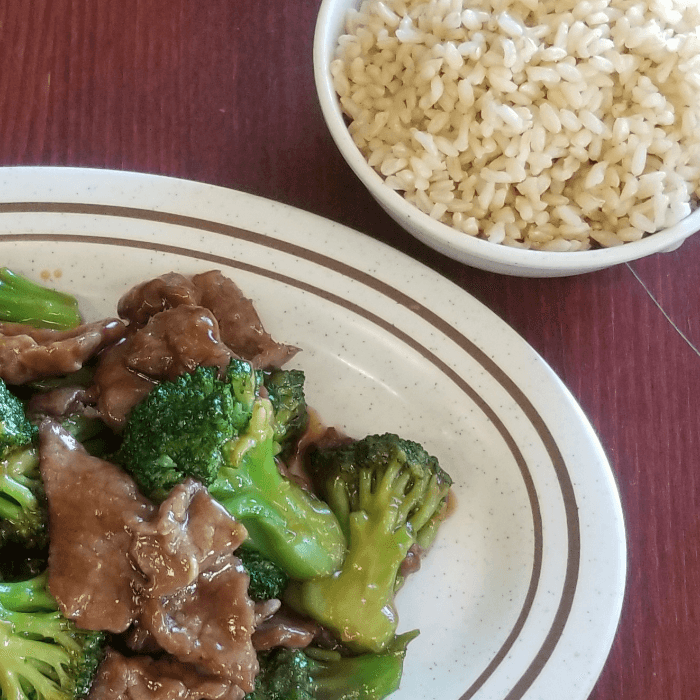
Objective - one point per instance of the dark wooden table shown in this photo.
(222, 91)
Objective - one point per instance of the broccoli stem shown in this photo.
(285, 523)
(322, 674)
(15, 496)
(28, 596)
(23, 301)
(364, 677)
(357, 602)
(21, 511)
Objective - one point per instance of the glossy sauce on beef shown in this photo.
(28, 354)
(240, 325)
(117, 560)
(195, 602)
(140, 677)
(171, 343)
(93, 509)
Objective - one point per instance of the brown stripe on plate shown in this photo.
(565, 484)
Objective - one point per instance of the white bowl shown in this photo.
(472, 251)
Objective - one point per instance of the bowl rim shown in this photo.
(442, 236)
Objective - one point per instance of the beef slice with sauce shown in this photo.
(115, 560)
(240, 325)
(28, 354)
(148, 298)
(175, 325)
(187, 535)
(284, 628)
(139, 677)
(208, 624)
(195, 602)
(93, 509)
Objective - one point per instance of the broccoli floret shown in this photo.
(267, 580)
(23, 301)
(45, 656)
(181, 427)
(388, 494)
(16, 430)
(23, 515)
(315, 674)
(22, 501)
(284, 675)
(285, 523)
(285, 388)
(221, 432)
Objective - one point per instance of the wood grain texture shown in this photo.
(222, 91)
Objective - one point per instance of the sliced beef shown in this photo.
(93, 510)
(240, 324)
(28, 354)
(241, 327)
(171, 343)
(176, 341)
(187, 536)
(196, 604)
(209, 623)
(265, 609)
(115, 560)
(412, 563)
(175, 325)
(117, 388)
(141, 677)
(148, 298)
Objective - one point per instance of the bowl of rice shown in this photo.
(525, 137)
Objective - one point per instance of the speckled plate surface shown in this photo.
(521, 595)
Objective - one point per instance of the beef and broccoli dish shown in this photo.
(177, 523)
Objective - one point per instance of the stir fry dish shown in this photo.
(177, 523)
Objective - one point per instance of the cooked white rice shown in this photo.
(546, 124)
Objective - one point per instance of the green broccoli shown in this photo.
(267, 580)
(388, 494)
(22, 502)
(285, 523)
(16, 431)
(44, 655)
(363, 677)
(284, 675)
(82, 428)
(315, 674)
(285, 388)
(180, 428)
(221, 432)
(23, 301)
(83, 377)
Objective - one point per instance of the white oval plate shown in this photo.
(521, 595)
